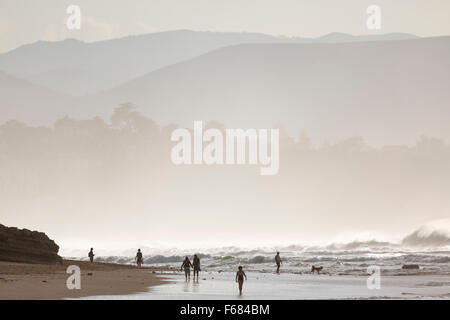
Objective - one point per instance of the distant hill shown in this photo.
(24, 101)
(386, 91)
(77, 68)
(337, 37)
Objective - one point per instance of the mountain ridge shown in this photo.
(397, 78)
(75, 67)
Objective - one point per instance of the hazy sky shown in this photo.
(75, 190)
(25, 21)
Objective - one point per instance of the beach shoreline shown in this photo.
(288, 286)
(21, 281)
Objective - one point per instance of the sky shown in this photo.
(269, 210)
(26, 21)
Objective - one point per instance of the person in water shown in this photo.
(278, 262)
(240, 275)
(196, 265)
(139, 258)
(91, 255)
(186, 265)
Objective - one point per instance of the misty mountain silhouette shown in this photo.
(22, 100)
(386, 91)
(339, 37)
(76, 68)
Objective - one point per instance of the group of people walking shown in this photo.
(186, 266)
(195, 264)
(240, 274)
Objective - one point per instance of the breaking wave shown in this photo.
(425, 238)
(429, 248)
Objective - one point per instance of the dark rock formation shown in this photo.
(22, 245)
(410, 266)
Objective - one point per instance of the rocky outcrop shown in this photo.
(410, 267)
(23, 245)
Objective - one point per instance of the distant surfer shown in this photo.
(240, 275)
(139, 258)
(91, 255)
(196, 264)
(278, 262)
(186, 266)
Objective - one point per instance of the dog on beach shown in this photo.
(318, 269)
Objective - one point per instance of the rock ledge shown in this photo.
(23, 245)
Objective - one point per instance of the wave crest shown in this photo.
(425, 238)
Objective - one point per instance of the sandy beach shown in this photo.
(114, 281)
(269, 286)
(19, 281)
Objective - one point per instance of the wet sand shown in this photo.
(20, 281)
(269, 286)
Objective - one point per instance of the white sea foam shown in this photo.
(335, 262)
(427, 247)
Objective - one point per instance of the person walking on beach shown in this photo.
(186, 265)
(139, 258)
(240, 274)
(91, 255)
(278, 262)
(196, 265)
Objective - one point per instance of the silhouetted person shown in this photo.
(139, 258)
(186, 266)
(196, 265)
(240, 274)
(91, 255)
(278, 262)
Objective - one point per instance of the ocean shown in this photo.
(352, 259)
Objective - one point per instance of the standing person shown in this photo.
(196, 265)
(278, 262)
(186, 265)
(240, 274)
(139, 258)
(91, 255)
